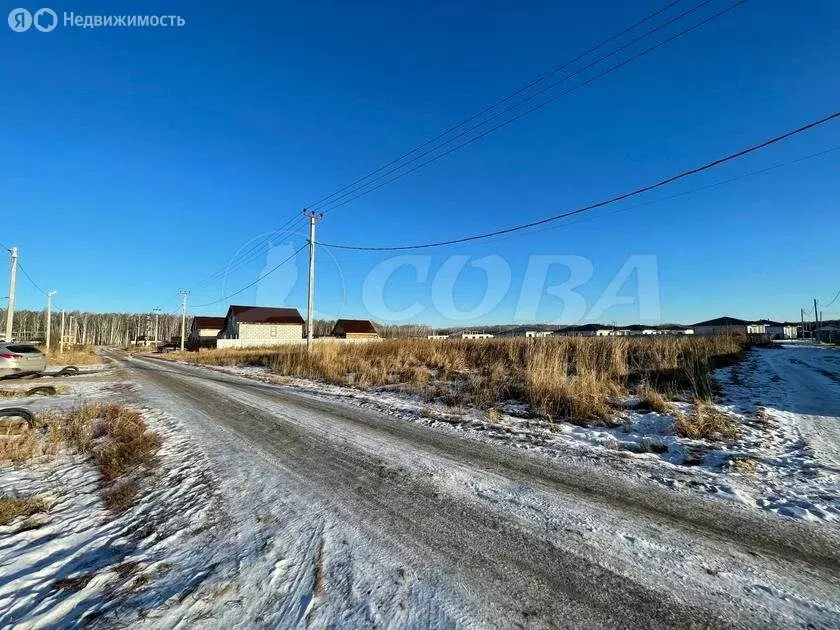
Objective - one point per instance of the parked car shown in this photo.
(18, 358)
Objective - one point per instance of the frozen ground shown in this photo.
(284, 506)
(785, 400)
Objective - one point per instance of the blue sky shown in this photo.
(137, 161)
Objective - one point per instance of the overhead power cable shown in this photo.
(833, 300)
(248, 286)
(340, 200)
(498, 103)
(28, 277)
(250, 254)
(617, 198)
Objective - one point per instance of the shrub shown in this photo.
(11, 507)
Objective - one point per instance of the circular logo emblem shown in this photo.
(45, 20)
(20, 20)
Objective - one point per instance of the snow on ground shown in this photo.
(785, 400)
(223, 545)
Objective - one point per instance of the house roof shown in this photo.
(200, 322)
(355, 326)
(264, 315)
(724, 321)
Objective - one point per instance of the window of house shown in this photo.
(273, 331)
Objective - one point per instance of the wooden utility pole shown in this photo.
(10, 313)
(816, 319)
(184, 295)
(313, 217)
(50, 294)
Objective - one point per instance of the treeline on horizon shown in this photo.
(122, 329)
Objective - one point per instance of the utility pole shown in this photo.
(802, 314)
(10, 313)
(156, 311)
(816, 318)
(49, 317)
(313, 217)
(184, 295)
(61, 340)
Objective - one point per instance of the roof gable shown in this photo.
(264, 315)
(199, 322)
(354, 326)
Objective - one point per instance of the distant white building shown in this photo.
(437, 337)
(778, 330)
(476, 335)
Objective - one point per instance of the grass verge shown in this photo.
(115, 437)
(573, 378)
(13, 507)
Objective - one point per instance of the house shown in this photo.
(586, 330)
(354, 329)
(722, 325)
(525, 332)
(438, 337)
(475, 335)
(204, 331)
(252, 326)
(779, 330)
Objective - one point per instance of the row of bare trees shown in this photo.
(120, 329)
(101, 329)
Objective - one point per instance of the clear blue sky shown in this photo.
(137, 161)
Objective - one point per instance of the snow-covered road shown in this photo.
(358, 519)
(804, 385)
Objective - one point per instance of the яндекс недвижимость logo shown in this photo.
(45, 20)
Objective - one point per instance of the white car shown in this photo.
(18, 358)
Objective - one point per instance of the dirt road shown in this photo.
(508, 539)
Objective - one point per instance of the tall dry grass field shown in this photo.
(569, 377)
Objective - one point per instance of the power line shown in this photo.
(252, 253)
(360, 192)
(833, 300)
(267, 273)
(28, 277)
(498, 103)
(606, 202)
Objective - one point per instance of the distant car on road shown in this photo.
(18, 358)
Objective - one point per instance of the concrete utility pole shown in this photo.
(313, 217)
(61, 340)
(816, 319)
(156, 311)
(10, 314)
(49, 318)
(184, 295)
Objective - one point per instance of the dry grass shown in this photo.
(120, 496)
(115, 437)
(706, 423)
(566, 377)
(11, 508)
(75, 355)
(652, 399)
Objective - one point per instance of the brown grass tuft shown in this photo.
(11, 508)
(120, 496)
(653, 400)
(706, 423)
(75, 355)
